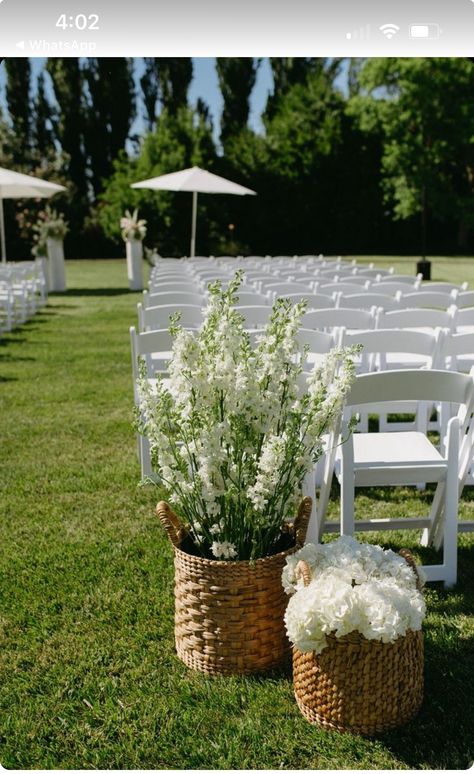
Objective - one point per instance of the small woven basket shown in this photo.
(229, 614)
(357, 685)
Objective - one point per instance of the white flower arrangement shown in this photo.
(132, 227)
(231, 432)
(354, 587)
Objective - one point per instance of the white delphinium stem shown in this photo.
(230, 434)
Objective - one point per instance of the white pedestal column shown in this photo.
(135, 264)
(56, 272)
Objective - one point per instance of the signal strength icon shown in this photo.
(389, 30)
(363, 33)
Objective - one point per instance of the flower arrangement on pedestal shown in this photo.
(133, 227)
(133, 234)
(51, 225)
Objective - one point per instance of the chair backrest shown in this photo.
(373, 272)
(426, 300)
(251, 298)
(382, 342)
(411, 385)
(465, 299)
(440, 287)
(282, 288)
(318, 342)
(158, 317)
(456, 345)
(393, 286)
(145, 345)
(405, 279)
(367, 301)
(188, 286)
(172, 297)
(417, 318)
(348, 288)
(321, 319)
(255, 316)
(314, 300)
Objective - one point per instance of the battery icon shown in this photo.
(418, 31)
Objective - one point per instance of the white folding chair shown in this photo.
(394, 349)
(418, 319)
(465, 299)
(426, 300)
(158, 317)
(175, 297)
(255, 316)
(367, 300)
(326, 319)
(401, 459)
(348, 288)
(155, 348)
(464, 322)
(441, 287)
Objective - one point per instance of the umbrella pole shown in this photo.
(2, 233)
(193, 225)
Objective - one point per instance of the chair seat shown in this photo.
(396, 458)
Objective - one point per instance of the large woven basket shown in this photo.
(229, 614)
(361, 686)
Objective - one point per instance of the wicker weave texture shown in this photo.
(229, 619)
(359, 685)
(229, 614)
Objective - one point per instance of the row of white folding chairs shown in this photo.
(378, 459)
(23, 291)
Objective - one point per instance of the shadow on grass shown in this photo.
(7, 379)
(91, 292)
(441, 736)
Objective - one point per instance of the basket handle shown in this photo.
(410, 560)
(303, 570)
(171, 523)
(301, 522)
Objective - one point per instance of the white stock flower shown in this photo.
(223, 550)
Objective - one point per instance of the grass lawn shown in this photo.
(88, 677)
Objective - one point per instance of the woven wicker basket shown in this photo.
(229, 614)
(359, 685)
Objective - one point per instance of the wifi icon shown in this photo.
(389, 30)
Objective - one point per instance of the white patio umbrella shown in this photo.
(195, 180)
(14, 185)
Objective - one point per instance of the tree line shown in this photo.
(383, 165)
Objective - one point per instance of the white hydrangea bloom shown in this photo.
(354, 587)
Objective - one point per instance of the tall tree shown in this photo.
(19, 106)
(236, 80)
(67, 81)
(424, 111)
(289, 71)
(43, 128)
(174, 76)
(110, 112)
(149, 83)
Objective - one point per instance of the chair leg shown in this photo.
(144, 456)
(347, 489)
(450, 532)
(309, 490)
